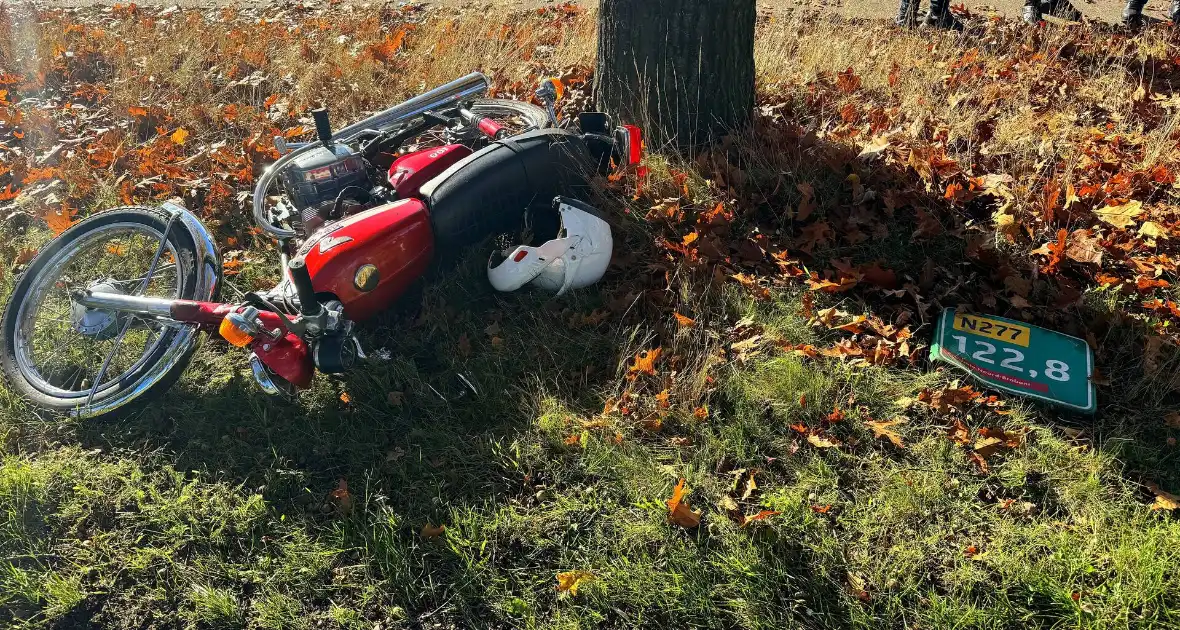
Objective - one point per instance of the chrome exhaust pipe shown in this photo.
(442, 97)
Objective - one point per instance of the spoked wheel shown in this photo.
(65, 357)
(516, 117)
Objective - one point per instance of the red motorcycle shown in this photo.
(110, 311)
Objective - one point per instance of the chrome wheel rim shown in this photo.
(58, 356)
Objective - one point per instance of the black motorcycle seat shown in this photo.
(488, 192)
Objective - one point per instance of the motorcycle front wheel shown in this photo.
(69, 359)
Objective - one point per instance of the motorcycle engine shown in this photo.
(325, 185)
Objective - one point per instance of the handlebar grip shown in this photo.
(323, 127)
(309, 304)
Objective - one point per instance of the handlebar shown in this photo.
(465, 88)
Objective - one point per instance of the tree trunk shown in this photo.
(681, 69)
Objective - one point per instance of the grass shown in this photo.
(218, 508)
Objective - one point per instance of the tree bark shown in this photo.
(681, 69)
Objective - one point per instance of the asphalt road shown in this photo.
(1108, 10)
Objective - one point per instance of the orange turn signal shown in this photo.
(557, 87)
(236, 336)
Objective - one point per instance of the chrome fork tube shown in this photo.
(136, 304)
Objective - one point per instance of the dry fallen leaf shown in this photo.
(1151, 229)
(569, 581)
(751, 486)
(678, 511)
(881, 430)
(1121, 216)
(430, 531)
(179, 136)
(25, 255)
(342, 497)
(820, 441)
(1163, 500)
(764, 514)
(645, 362)
(685, 322)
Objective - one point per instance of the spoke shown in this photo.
(161, 270)
(59, 355)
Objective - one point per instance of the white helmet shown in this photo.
(577, 258)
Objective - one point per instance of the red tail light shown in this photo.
(634, 144)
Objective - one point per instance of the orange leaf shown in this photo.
(678, 511)
(821, 509)
(815, 283)
(685, 322)
(179, 136)
(59, 221)
(764, 514)
(1146, 285)
(342, 497)
(959, 433)
(751, 283)
(662, 398)
(700, 413)
(1054, 250)
(569, 581)
(853, 326)
(646, 362)
(138, 112)
(847, 81)
(881, 430)
(430, 531)
(345, 398)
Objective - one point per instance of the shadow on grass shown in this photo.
(526, 489)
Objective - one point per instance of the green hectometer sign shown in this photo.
(1018, 358)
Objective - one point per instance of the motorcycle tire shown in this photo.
(496, 108)
(149, 373)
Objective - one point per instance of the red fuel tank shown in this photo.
(369, 259)
(410, 171)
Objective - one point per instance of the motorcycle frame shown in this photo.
(289, 352)
(280, 350)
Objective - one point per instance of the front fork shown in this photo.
(283, 352)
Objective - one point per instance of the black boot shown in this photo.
(1133, 15)
(1031, 14)
(1063, 9)
(907, 13)
(940, 16)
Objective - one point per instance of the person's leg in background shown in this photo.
(1133, 14)
(940, 16)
